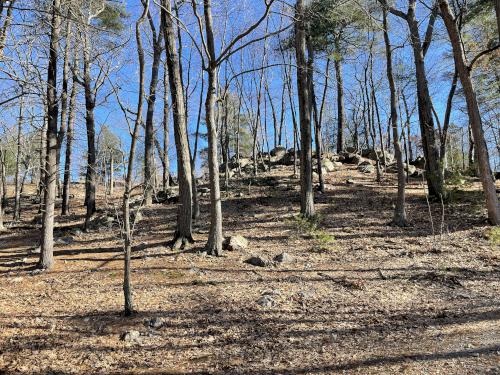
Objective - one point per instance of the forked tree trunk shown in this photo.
(303, 86)
(183, 235)
(47, 248)
(399, 218)
(483, 159)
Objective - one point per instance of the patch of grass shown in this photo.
(310, 227)
(493, 235)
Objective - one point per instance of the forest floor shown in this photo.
(357, 296)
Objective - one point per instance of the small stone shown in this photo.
(349, 182)
(283, 258)
(266, 301)
(235, 243)
(36, 250)
(64, 240)
(155, 322)
(257, 261)
(130, 336)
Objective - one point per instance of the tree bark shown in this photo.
(433, 168)
(183, 235)
(151, 100)
(340, 105)
(483, 159)
(69, 144)
(399, 217)
(17, 180)
(303, 85)
(214, 244)
(47, 248)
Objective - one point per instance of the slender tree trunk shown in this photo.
(7, 20)
(183, 234)
(340, 105)
(483, 158)
(43, 159)
(47, 248)
(91, 175)
(447, 116)
(166, 132)
(17, 181)
(399, 218)
(2, 191)
(64, 99)
(149, 131)
(303, 86)
(214, 244)
(69, 144)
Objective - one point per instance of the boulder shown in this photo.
(419, 162)
(351, 158)
(373, 154)
(235, 243)
(366, 167)
(131, 336)
(279, 153)
(328, 165)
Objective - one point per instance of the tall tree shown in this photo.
(46, 254)
(304, 87)
(183, 234)
(475, 121)
(399, 218)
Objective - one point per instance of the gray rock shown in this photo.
(266, 301)
(36, 250)
(257, 261)
(349, 182)
(131, 336)
(155, 322)
(283, 258)
(366, 167)
(279, 153)
(235, 243)
(67, 240)
(328, 165)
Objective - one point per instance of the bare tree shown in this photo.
(303, 87)
(46, 254)
(474, 115)
(399, 218)
(183, 234)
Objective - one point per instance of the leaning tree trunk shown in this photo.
(183, 234)
(399, 218)
(483, 159)
(303, 86)
(46, 254)
(214, 244)
(434, 173)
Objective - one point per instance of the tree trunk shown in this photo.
(214, 244)
(303, 86)
(47, 248)
(166, 133)
(340, 105)
(434, 173)
(183, 234)
(69, 144)
(2, 192)
(64, 99)
(149, 131)
(91, 175)
(483, 159)
(399, 218)
(17, 181)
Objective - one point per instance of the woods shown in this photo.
(162, 139)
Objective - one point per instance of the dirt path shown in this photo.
(376, 300)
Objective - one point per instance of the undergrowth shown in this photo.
(311, 227)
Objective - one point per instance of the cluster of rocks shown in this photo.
(364, 160)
